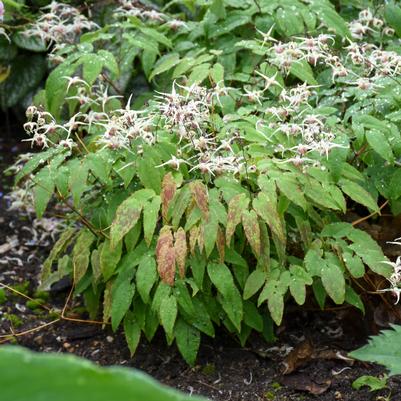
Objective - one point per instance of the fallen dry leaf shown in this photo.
(299, 356)
(303, 382)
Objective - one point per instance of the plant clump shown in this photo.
(221, 191)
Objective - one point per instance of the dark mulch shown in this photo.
(224, 370)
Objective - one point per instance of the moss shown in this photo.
(42, 295)
(23, 287)
(14, 320)
(35, 303)
(276, 386)
(3, 296)
(209, 369)
(269, 395)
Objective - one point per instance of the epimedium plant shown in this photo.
(217, 200)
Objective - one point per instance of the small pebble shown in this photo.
(109, 339)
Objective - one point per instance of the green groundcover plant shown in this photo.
(218, 190)
(75, 379)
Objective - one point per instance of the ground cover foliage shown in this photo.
(209, 154)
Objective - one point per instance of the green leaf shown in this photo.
(199, 74)
(132, 332)
(379, 143)
(217, 73)
(27, 71)
(110, 62)
(92, 67)
(61, 244)
(78, 180)
(54, 377)
(288, 185)
(354, 265)
(188, 340)
(275, 303)
(289, 21)
(150, 176)
(392, 15)
(358, 194)
(354, 299)
(252, 317)
(231, 300)
(254, 283)
(327, 14)
(299, 278)
(333, 281)
(150, 216)
(122, 295)
(235, 208)
(81, 253)
(164, 64)
(43, 190)
(109, 258)
(303, 71)
(374, 383)
(168, 314)
(30, 42)
(148, 61)
(383, 349)
(337, 230)
(370, 252)
(146, 277)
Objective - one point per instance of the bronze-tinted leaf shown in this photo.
(181, 250)
(250, 223)
(81, 253)
(193, 238)
(235, 208)
(169, 188)
(267, 210)
(201, 237)
(221, 244)
(200, 194)
(165, 256)
(127, 215)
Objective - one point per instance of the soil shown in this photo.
(319, 340)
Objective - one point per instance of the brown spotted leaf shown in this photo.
(250, 223)
(221, 244)
(200, 194)
(81, 253)
(181, 250)
(235, 208)
(201, 237)
(165, 256)
(169, 188)
(193, 238)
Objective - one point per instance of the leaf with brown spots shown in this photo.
(250, 223)
(221, 244)
(181, 250)
(235, 208)
(165, 256)
(193, 238)
(201, 237)
(169, 188)
(200, 194)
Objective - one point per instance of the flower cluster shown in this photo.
(41, 126)
(129, 8)
(60, 23)
(367, 23)
(187, 115)
(306, 133)
(395, 278)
